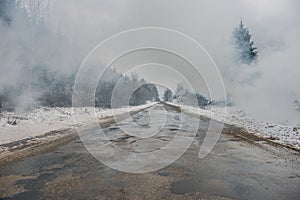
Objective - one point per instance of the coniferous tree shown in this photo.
(247, 51)
(168, 95)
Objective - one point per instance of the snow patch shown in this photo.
(279, 133)
(17, 126)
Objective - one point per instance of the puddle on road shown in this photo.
(25, 195)
(163, 173)
(210, 186)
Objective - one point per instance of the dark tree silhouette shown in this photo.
(168, 95)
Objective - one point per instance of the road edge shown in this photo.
(244, 135)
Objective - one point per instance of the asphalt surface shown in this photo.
(235, 169)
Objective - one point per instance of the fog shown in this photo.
(267, 89)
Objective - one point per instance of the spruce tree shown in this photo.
(247, 51)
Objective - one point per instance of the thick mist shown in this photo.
(268, 89)
(32, 54)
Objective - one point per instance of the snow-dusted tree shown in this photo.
(147, 92)
(168, 95)
(202, 101)
(5, 9)
(179, 93)
(244, 44)
(186, 97)
(37, 10)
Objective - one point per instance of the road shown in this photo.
(236, 168)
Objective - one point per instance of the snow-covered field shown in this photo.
(279, 133)
(18, 126)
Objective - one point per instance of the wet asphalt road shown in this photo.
(235, 169)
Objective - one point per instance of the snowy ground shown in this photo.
(279, 133)
(18, 126)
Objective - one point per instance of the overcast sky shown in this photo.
(208, 21)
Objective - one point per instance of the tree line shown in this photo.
(42, 64)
